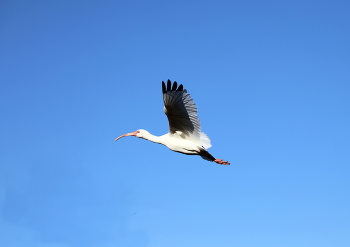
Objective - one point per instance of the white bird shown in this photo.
(185, 134)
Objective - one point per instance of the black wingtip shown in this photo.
(169, 85)
(163, 87)
(174, 86)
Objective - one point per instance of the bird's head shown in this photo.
(138, 133)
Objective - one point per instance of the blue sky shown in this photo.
(271, 80)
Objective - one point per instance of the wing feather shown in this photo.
(182, 113)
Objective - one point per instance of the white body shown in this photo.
(176, 142)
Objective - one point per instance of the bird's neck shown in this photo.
(153, 138)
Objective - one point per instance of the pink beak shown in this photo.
(128, 134)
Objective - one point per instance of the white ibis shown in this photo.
(185, 134)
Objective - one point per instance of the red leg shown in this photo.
(221, 162)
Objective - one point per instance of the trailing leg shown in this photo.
(207, 156)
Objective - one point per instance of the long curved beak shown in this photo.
(128, 134)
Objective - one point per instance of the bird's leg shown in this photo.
(221, 162)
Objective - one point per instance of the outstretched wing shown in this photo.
(182, 113)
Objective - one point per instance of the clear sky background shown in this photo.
(271, 80)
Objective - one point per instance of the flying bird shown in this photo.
(185, 134)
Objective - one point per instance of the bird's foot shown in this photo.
(221, 162)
